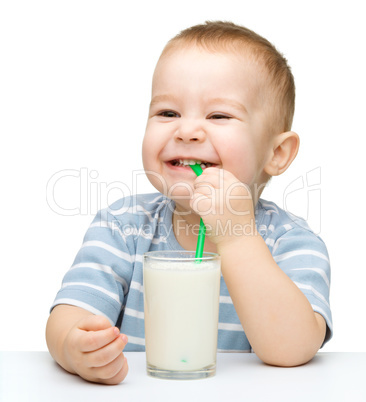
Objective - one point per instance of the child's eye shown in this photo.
(168, 113)
(220, 116)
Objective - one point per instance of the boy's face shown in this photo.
(205, 106)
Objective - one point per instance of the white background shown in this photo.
(75, 82)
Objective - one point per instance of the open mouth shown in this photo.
(188, 162)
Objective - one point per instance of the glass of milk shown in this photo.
(181, 303)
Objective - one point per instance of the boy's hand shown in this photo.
(225, 205)
(93, 349)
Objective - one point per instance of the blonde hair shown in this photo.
(221, 35)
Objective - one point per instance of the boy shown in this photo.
(224, 97)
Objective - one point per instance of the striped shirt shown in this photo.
(106, 276)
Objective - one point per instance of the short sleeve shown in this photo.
(99, 278)
(304, 258)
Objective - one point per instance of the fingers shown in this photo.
(205, 187)
(108, 353)
(93, 349)
(96, 332)
(211, 177)
(94, 340)
(206, 191)
(121, 372)
(110, 369)
(214, 180)
(94, 323)
(108, 365)
(218, 195)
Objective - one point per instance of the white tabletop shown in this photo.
(34, 376)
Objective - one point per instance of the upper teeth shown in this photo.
(187, 162)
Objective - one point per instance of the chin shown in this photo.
(181, 196)
(180, 192)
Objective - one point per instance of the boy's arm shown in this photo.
(86, 344)
(276, 316)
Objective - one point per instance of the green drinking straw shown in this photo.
(202, 230)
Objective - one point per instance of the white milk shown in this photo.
(181, 314)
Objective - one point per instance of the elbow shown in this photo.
(294, 351)
(289, 357)
(286, 361)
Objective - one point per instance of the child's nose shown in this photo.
(190, 132)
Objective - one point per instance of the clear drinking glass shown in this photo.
(181, 298)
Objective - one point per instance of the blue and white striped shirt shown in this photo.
(106, 277)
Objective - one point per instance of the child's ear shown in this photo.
(285, 147)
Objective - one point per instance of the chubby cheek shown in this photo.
(157, 174)
(149, 160)
(241, 162)
(150, 151)
(145, 154)
(177, 189)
